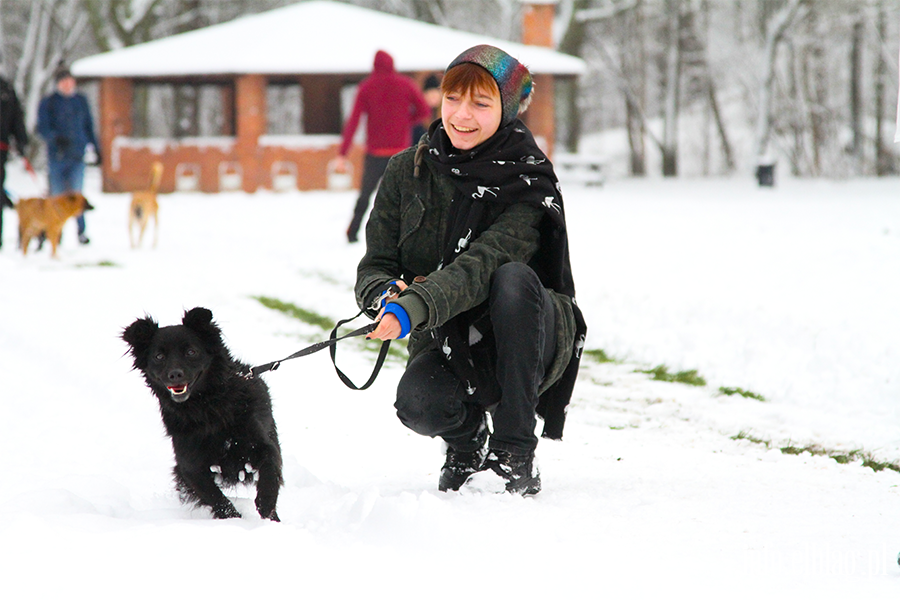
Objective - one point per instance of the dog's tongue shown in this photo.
(178, 389)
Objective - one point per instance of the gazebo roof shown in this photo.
(311, 37)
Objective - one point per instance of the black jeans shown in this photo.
(432, 401)
(373, 169)
(3, 198)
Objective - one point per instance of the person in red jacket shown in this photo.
(392, 103)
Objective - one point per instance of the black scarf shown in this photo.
(507, 168)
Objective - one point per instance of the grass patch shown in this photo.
(102, 263)
(839, 456)
(396, 351)
(294, 311)
(743, 435)
(599, 356)
(736, 391)
(661, 373)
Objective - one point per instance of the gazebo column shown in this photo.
(321, 105)
(251, 124)
(116, 97)
(537, 30)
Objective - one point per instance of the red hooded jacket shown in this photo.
(392, 102)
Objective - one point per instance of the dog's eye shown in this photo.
(159, 356)
(190, 351)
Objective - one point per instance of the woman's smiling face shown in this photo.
(471, 118)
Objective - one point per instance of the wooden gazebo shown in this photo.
(320, 47)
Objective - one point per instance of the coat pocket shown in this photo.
(411, 218)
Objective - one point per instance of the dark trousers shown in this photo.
(373, 169)
(3, 199)
(432, 401)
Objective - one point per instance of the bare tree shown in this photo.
(571, 32)
(54, 29)
(774, 33)
(634, 59)
(884, 159)
(855, 99)
(120, 23)
(671, 88)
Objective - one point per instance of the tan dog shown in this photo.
(47, 216)
(143, 206)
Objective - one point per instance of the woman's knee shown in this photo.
(515, 287)
(428, 397)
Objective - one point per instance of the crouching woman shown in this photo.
(467, 253)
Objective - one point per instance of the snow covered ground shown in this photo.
(789, 293)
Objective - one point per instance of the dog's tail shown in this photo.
(156, 172)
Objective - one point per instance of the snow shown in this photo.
(787, 292)
(310, 37)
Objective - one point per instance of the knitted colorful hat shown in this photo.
(512, 77)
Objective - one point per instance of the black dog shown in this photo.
(221, 423)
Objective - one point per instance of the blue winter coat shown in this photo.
(66, 125)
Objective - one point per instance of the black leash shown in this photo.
(331, 342)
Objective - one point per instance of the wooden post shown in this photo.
(116, 97)
(537, 30)
(251, 123)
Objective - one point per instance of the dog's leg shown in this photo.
(268, 483)
(55, 239)
(155, 229)
(202, 488)
(267, 492)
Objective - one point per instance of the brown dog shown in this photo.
(143, 206)
(47, 216)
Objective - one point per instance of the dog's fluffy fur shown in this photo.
(220, 423)
(144, 205)
(47, 216)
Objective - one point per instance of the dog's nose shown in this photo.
(176, 375)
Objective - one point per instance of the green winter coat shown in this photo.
(404, 238)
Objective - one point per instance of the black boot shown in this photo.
(518, 472)
(462, 463)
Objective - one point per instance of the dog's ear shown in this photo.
(139, 335)
(199, 320)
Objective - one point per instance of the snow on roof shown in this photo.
(309, 37)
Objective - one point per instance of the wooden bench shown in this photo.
(579, 168)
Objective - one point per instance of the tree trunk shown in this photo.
(572, 42)
(883, 158)
(632, 60)
(856, 120)
(670, 103)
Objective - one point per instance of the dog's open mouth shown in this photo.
(179, 392)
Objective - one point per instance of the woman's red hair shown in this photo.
(467, 78)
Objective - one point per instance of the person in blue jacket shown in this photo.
(12, 129)
(65, 123)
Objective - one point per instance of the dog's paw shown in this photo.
(248, 474)
(225, 510)
(217, 475)
(265, 506)
(271, 515)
